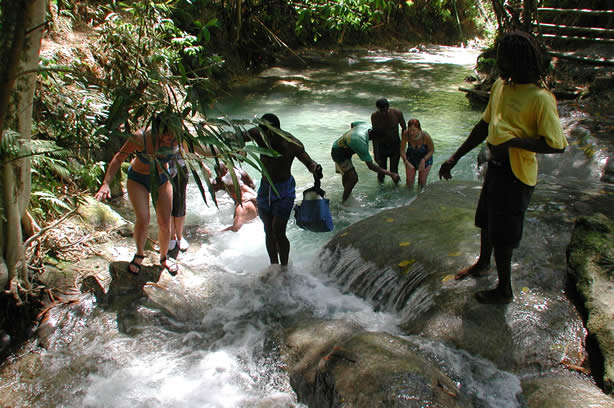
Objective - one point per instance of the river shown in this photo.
(208, 341)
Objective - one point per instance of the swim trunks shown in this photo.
(278, 204)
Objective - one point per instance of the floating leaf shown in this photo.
(343, 234)
(525, 290)
(448, 278)
(457, 253)
(403, 244)
(389, 219)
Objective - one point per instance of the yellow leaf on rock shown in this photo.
(405, 263)
(447, 278)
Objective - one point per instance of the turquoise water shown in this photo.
(318, 103)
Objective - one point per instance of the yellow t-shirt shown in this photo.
(523, 111)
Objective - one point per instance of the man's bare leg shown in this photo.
(481, 267)
(503, 292)
(270, 241)
(283, 244)
(349, 180)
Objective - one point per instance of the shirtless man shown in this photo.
(245, 205)
(275, 205)
(385, 124)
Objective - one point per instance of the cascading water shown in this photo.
(209, 339)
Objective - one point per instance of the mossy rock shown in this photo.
(100, 215)
(590, 257)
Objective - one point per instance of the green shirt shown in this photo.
(357, 140)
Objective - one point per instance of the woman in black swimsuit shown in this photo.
(417, 153)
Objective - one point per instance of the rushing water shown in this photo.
(207, 340)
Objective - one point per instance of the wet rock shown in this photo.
(60, 324)
(4, 275)
(335, 364)
(397, 264)
(99, 215)
(5, 340)
(590, 256)
(564, 391)
(126, 287)
(608, 171)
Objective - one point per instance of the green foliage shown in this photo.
(436, 18)
(321, 16)
(139, 73)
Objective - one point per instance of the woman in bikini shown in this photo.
(417, 153)
(153, 149)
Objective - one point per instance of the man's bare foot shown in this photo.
(494, 297)
(475, 270)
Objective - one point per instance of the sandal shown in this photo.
(169, 265)
(135, 264)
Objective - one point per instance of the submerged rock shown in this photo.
(337, 364)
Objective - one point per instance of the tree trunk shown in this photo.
(22, 23)
(530, 10)
(239, 22)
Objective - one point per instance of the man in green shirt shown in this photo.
(355, 141)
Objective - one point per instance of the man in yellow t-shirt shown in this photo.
(520, 120)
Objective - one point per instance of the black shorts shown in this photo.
(503, 202)
(180, 182)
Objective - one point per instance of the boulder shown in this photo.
(404, 260)
(564, 391)
(337, 364)
(590, 257)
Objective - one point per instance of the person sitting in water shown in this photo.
(355, 141)
(417, 153)
(156, 143)
(246, 208)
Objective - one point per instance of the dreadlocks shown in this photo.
(520, 58)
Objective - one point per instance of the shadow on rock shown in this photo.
(123, 289)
